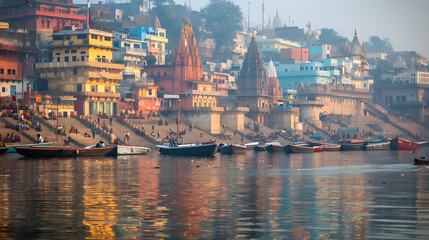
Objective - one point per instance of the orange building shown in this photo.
(147, 100)
(42, 17)
(184, 76)
(294, 54)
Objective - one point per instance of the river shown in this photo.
(326, 195)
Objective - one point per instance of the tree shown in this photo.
(330, 36)
(167, 17)
(376, 44)
(222, 18)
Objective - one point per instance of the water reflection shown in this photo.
(255, 195)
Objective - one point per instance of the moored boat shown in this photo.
(301, 148)
(251, 146)
(129, 150)
(352, 145)
(259, 148)
(421, 160)
(11, 148)
(226, 149)
(403, 144)
(318, 148)
(274, 147)
(331, 147)
(196, 149)
(3, 150)
(376, 146)
(62, 152)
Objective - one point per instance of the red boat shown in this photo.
(403, 144)
(318, 148)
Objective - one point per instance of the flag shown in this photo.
(28, 3)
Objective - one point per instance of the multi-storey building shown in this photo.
(156, 39)
(132, 54)
(16, 62)
(42, 17)
(82, 67)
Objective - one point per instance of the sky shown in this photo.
(404, 22)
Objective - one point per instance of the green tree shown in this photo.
(330, 36)
(167, 17)
(222, 19)
(376, 44)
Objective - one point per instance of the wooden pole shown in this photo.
(178, 122)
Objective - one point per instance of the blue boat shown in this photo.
(197, 149)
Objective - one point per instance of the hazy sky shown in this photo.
(404, 22)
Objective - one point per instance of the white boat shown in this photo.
(250, 146)
(131, 150)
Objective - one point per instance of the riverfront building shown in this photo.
(82, 67)
(156, 39)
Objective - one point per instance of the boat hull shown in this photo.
(226, 149)
(301, 149)
(189, 150)
(402, 144)
(11, 149)
(237, 149)
(275, 148)
(259, 148)
(330, 148)
(63, 152)
(129, 150)
(421, 161)
(351, 146)
(3, 150)
(376, 146)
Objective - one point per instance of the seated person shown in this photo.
(100, 144)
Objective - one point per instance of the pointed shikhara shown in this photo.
(274, 90)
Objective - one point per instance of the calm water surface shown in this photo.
(327, 195)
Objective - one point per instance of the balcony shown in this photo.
(98, 94)
(105, 75)
(134, 51)
(9, 77)
(51, 67)
(201, 92)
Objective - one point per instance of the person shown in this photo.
(93, 133)
(66, 139)
(201, 134)
(46, 140)
(172, 144)
(38, 127)
(100, 144)
(127, 137)
(39, 139)
(166, 122)
(98, 120)
(157, 132)
(111, 120)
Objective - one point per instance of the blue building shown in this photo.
(320, 71)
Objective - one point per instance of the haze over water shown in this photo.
(327, 195)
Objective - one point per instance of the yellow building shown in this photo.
(82, 67)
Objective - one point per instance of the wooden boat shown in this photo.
(421, 160)
(233, 149)
(403, 144)
(274, 147)
(352, 145)
(62, 152)
(196, 149)
(11, 148)
(251, 146)
(3, 149)
(376, 146)
(259, 148)
(301, 148)
(238, 149)
(331, 147)
(318, 148)
(129, 150)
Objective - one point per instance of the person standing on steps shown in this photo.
(111, 120)
(93, 133)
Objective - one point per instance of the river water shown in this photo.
(326, 195)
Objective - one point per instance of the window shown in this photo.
(136, 45)
(9, 71)
(82, 52)
(57, 53)
(2, 71)
(13, 71)
(107, 39)
(58, 38)
(75, 71)
(68, 38)
(74, 59)
(3, 89)
(79, 88)
(81, 36)
(82, 58)
(94, 36)
(150, 92)
(66, 51)
(73, 51)
(58, 59)
(93, 88)
(66, 59)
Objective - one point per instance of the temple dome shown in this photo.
(277, 22)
